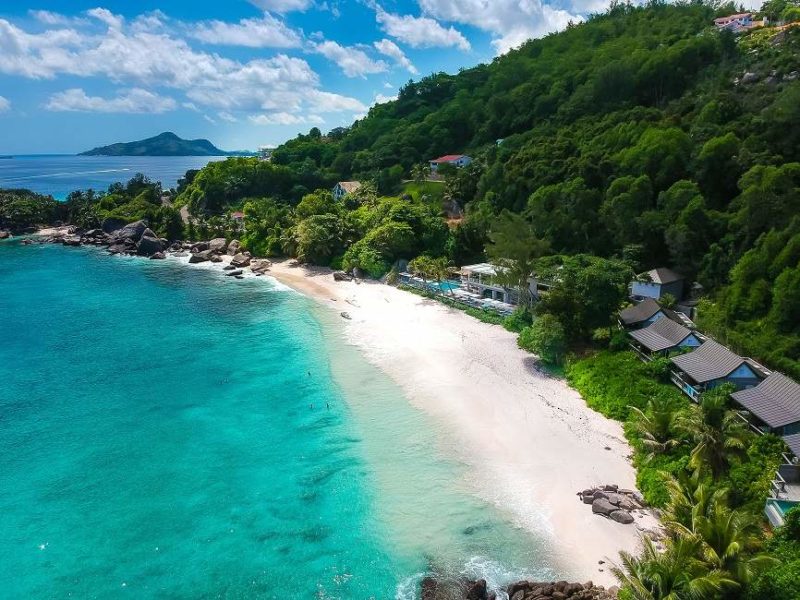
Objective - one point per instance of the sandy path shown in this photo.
(529, 439)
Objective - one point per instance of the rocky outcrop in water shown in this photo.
(138, 239)
(241, 260)
(218, 245)
(433, 588)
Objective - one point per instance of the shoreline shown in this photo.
(528, 440)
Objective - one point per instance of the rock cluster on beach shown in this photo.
(613, 502)
(137, 239)
(435, 589)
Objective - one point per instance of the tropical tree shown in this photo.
(675, 574)
(546, 338)
(514, 248)
(716, 431)
(657, 425)
(420, 172)
(728, 541)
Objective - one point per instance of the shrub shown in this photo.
(546, 338)
(519, 320)
(618, 341)
(659, 369)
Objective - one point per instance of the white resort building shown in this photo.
(481, 279)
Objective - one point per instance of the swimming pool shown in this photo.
(446, 285)
(785, 505)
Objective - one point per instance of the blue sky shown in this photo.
(242, 73)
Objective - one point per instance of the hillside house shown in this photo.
(657, 283)
(775, 403)
(663, 337)
(265, 153)
(457, 160)
(712, 365)
(646, 313)
(744, 20)
(238, 216)
(341, 189)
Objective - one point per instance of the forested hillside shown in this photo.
(643, 134)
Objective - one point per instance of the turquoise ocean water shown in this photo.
(59, 175)
(167, 432)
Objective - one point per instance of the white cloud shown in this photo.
(226, 116)
(512, 22)
(285, 118)
(209, 119)
(420, 32)
(281, 6)
(352, 61)
(393, 51)
(106, 16)
(48, 17)
(136, 100)
(5, 104)
(142, 58)
(264, 32)
(327, 102)
(152, 21)
(381, 99)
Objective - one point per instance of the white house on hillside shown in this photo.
(457, 160)
(656, 283)
(341, 189)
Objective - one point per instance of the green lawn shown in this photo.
(433, 189)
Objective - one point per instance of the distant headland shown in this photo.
(164, 144)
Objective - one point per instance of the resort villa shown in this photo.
(457, 160)
(664, 337)
(656, 283)
(646, 313)
(712, 365)
(768, 402)
(481, 279)
(341, 189)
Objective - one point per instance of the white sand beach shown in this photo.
(528, 439)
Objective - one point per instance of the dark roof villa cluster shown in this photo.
(769, 401)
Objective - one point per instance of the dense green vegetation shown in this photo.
(643, 137)
(21, 209)
(137, 199)
(634, 136)
(707, 472)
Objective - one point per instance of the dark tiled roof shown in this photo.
(776, 400)
(793, 441)
(638, 313)
(663, 275)
(709, 362)
(661, 335)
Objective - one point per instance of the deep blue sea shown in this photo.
(167, 432)
(60, 175)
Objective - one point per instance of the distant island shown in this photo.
(165, 144)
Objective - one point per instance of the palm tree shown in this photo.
(420, 172)
(675, 574)
(657, 425)
(727, 540)
(718, 434)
